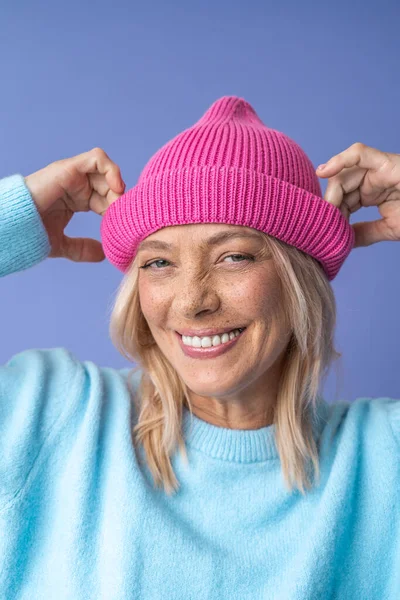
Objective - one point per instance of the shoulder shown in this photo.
(31, 368)
(63, 363)
(375, 420)
(48, 396)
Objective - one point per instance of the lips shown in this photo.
(208, 332)
(210, 352)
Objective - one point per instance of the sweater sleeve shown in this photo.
(23, 238)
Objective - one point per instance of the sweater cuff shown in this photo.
(23, 238)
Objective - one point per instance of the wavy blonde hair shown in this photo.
(311, 310)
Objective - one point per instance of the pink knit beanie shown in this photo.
(230, 168)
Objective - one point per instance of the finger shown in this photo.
(370, 232)
(358, 154)
(350, 178)
(102, 196)
(352, 201)
(351, 204)
(334, 192)
(82, 249)
(344, 189)
(97, 161)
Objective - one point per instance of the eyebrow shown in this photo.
(214, 240)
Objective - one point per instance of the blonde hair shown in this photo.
(311, 311)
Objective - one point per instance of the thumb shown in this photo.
(82, 249)
(370, 232)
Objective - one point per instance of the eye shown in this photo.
(153, 262)
(240, 256)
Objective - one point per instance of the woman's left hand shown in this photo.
(364, 176)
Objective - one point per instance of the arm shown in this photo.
(23, 238)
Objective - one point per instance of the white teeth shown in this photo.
(207, 341)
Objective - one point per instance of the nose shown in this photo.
(195, 298)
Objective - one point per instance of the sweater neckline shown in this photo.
(240, 445)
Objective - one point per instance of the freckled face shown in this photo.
(195, 284)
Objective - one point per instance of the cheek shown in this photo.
(258, 295)
(153, 302)
(239, 289)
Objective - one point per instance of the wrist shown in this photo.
(41, 187)
(34, 190)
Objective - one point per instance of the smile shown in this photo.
(210, 341)
(209, 346)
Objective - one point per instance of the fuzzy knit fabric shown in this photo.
(230, 168)
(80, 517)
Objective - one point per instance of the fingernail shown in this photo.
(321, 167)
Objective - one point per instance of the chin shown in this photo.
(212, 387)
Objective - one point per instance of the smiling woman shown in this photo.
(181, 280)
(228, 249)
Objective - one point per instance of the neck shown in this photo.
(224, 415)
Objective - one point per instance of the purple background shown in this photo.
(128, 77)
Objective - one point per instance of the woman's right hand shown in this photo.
(88, 181)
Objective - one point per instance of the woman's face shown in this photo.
(220, 277)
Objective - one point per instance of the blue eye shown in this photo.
(153, 262)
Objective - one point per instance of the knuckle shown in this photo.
(388, 163)
(60, 163)
(358, 146)
(98, 151)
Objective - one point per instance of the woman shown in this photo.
(214, 469)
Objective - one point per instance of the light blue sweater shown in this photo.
(81, 519)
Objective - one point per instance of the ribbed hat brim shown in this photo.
(234, 196)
